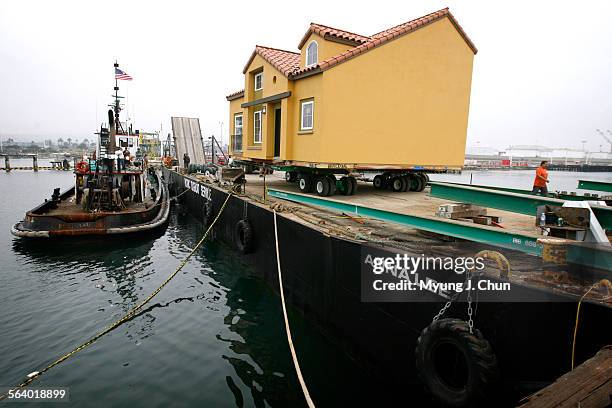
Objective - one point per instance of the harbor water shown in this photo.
(214, 336)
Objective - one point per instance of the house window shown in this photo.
(312, 54)
(307, 116)
(257, 127)
(237, 146)
(259, 81)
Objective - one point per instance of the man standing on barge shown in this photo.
(541, 178)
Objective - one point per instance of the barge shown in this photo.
(523, 342)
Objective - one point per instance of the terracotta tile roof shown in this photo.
(324, 30)
(285, 61)
(235, 95)
(288, 62)
(388, 35)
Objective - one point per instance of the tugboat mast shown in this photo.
(116, 107)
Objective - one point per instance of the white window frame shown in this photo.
(308, 54)
(236, 116)
(260, 75)
(257, 135)
(303, 104)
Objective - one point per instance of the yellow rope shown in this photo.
(287, 329)
(604, 282)
(34, 375)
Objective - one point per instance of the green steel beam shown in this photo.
(478, 233)
(595, 185)
(568, 197)
(513, 202)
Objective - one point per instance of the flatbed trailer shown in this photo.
(327, 179)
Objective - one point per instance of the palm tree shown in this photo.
(69, 142)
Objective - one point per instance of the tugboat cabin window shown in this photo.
(257, 127)
(307, 116)
(312, 54)
(259, 81)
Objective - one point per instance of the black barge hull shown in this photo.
(321, 276)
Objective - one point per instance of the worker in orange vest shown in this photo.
(541, 178)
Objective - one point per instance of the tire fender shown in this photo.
(244, 236)
(471, 352)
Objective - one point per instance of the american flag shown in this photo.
(119, 74)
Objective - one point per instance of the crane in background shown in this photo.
(606, 137)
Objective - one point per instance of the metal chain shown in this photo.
(468, 279)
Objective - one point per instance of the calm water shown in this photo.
(213, 337)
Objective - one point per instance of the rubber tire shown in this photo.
(405, 183)
(207, 215)
(305, 183)
(244, 236)
(322, 186)
(347, 186)
(396, 184)
(423, 180)
(480, 360)
(353, 182)
(332, 184)
(379, 182)
(290, 176)
(414, 182)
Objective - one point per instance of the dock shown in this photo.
(588, 386)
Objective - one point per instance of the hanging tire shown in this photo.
(332, 184)
(244, 236)
(305, 183)
(396, 184)
(379, 182)
(346, 187)
(456, 366)
(322, 186)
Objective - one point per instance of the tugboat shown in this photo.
(111, 194)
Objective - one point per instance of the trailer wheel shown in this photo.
(379, 182)
(353, 182)
(244, 236)
(322, 186)
(332, 184)
(426, 177)
(346, 187)
(423, 181)
(396, 184)
(413, 182)
(456, 366)
(405, 183)
(290, 176)
(305, 183)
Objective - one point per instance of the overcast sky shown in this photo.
(543, 73)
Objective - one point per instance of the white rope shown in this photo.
(282, 295)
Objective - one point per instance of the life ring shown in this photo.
(456, 366)
(244, 236)
(82, 167)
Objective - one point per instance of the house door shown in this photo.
(277, 132)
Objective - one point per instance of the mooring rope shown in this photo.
(287, 329)
(130, 315)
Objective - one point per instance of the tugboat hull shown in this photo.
(41, 222)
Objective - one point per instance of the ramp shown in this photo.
(188, 139)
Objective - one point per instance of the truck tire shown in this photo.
(290, 176)
(405, 183)
(305, 182)
(332, 184)
(346, 187)
(353, 182)
(322, 186)
(244, 236)
(379, 182)
(396, 184)
(474, 369)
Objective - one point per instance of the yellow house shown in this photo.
(395, 100)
